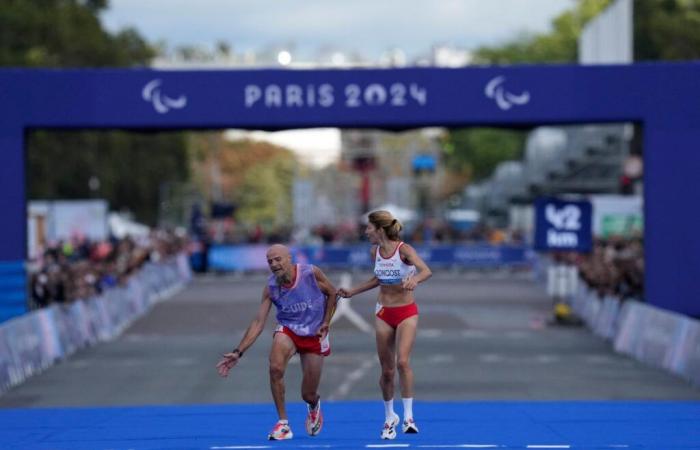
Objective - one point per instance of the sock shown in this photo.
(407, 408)
(283, 421)
(389, 410)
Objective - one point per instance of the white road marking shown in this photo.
(239, 447)
(343, 308)
(352, 378)
(548, 446)
(475, 334)
(543, 446)
(441, 359)
(546, 359)
(492, 358)
(386, 445)
(461, 446)
(430, 333)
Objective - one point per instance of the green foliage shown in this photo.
(560, 45)
(64, 33)
(131, 167)
(478, 151)
(667, 30)
(264, 196)
(663, 30)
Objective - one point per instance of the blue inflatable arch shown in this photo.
(665, 98)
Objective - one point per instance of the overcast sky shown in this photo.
(368, 27)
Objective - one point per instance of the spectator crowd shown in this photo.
(614, 267)
(80, 268)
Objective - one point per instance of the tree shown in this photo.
(265, 196)
(131, 167)
(476, 152)
(560, 45)
(65, 33)
(255, 176)
(667, 30)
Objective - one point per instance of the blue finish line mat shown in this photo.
(356, 425)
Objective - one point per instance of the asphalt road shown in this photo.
(482, 336)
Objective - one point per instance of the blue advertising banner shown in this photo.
(252, 257)
(563, 225)
(662, 97)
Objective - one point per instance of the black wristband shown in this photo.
(236, 350)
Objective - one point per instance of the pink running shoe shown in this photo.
(314, 420)
(280, 432)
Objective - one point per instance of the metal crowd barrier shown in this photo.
(34, 341)
(649, 334)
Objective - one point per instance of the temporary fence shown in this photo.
(653, 335)
(34, 341)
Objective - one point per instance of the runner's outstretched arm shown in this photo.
(229, 360)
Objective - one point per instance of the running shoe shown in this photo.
(314, 420)
(280, 432)
(389, 430)
(410, 427)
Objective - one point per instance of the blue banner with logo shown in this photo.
(474, 256)
(661, 96)
(563, 225)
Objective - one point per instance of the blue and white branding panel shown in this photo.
(562, 225)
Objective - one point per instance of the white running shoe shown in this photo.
(389, 429)
(410, 427)
(280, 432)
(314, 419)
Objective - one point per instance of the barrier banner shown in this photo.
(23, 338)
(50, 344)
(7, 364)
(656, 343)
(629, 328)
(253, 257)
(99, 319)
(686, 355)
(34, 341)
(70, 332)
(606, 320)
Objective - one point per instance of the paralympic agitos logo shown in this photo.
(505, 100)
(161, 103)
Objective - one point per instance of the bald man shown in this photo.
(305, 300)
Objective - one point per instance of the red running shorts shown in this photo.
(394, 315)
(307, 344)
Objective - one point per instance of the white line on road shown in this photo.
(548, 446)
(544, 446)
(430, 333)
(386, 445)
(239, 447)
(461, 446)
(343, 308)
(352, 378)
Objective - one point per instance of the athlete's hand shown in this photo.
(323, 331)
(228, 360)
(343, 293)
(409, 283)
